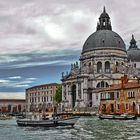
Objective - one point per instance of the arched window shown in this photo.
(106, 84)
(117, 64)
(107, 67)
(90, 68)
(99, 67)
(102, 84)
(98, 85)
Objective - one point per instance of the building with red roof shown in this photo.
(120, 98)
(12, 105)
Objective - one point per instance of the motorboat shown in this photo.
(49, 121)
(118, 117)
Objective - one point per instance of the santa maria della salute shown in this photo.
(103, 60)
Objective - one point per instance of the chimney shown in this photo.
(124, 80)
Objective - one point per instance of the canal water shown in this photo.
(87, 128)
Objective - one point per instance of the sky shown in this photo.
(39, 39)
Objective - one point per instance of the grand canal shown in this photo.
(87, 128)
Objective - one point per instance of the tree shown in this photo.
(58, 95)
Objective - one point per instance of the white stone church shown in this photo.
(102, 52)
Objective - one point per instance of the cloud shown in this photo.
(16, 82)
(15, 77)
(12, 95)
(31, 78)
(51, 33)
(58, 26)
(38, 59)
(4, 81)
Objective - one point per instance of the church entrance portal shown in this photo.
(73, 95)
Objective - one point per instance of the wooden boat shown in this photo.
(52, 122)
(118, 117)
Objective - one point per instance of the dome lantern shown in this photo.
(104, 21)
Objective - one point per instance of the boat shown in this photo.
(50, 121)
(118, 117)
(5, 117)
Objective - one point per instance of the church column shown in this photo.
(111, 65)
(63, 93)
(67, 95)
(70, 97)
(103, 66)
(94, 65)
(94, 94)
(82, 94)
(77, 96)
(85, 91)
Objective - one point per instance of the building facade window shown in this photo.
(118, 106)
(117, 95)
(51, 98)
(99, 67)
(102, 84)
(131, 94)
(126, 106)
(38, 99)
(107, 67)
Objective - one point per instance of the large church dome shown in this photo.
(133, 52)
(104, 37)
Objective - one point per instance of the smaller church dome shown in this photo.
(133, 52)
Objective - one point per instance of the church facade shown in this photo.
(102, 52)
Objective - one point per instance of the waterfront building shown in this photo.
(12, 105)
(40, 97)
(120, 98)
(102, 52)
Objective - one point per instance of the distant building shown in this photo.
(12, 105)
(120, 98)
(40, 97)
